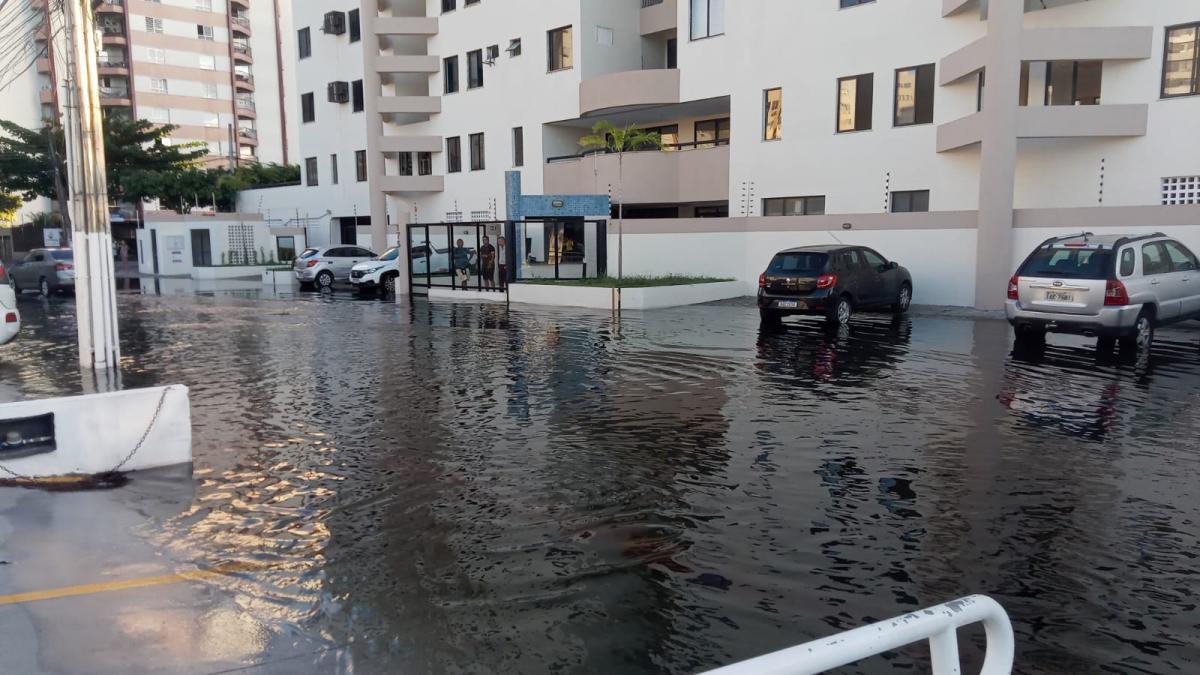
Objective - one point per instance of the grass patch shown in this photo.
(637, 281)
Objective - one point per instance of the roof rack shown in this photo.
(1129, 240)
(1051, 240)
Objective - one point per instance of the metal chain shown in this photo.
(158, 409)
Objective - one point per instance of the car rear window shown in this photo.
(309, 252)
(62, 255)
(1068, 263)
(803, 262)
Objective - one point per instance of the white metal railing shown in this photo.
(936, 624)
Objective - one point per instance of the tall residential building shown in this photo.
(213, 68)
(928, 127)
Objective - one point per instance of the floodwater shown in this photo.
(448, 488)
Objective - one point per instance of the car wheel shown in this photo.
(325, 280)
(903, 299)
(841, 311)
(44, 287)
(1143, 333)
(389, 284)
(770, 318)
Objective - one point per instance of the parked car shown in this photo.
(10, 316)
(831, 281)
(48, 270)
(380, 272)
(323, 266)
(1113, 287)
(428, 259)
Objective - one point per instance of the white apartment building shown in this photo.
(952, 135)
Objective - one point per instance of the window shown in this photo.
(794, 206)
(855, 96)
(204, 32)
(406, 164)
(518, 140)
(356, 96)
(304, 43)
(212, 120)
(158, 85)
(154, 25)
(854, 3)
(285, 248)
(560, 49)
(1182, 259)
(773, 115)
(355, 26)
(475, 69)
(872, 258)
(208, 62)
(308, 109)
(360, 165)
(1181, 190)
(310, 170)
(210, 90)
(158, 115)
(1072, 82)
(424, 163)
(719, 211)
(470, 2)
(1128, 260)
(605, 36)
(672, 53)
(453, 154)
(476, 141)
(156, 55)
(910, 201)
(204, 5)
(981, 86)
(447, 6)
(668, 135)
(514, 47)
(1154, 259)
(712, 132)
(1181, 63)
(708, 18)
(914, 96)
(449, 74)
(333, 172)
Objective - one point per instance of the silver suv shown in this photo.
(323, 266)
(1111, 286)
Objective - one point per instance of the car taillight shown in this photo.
(11, 317)
(827, 281)
(63, 267)
(762, 279)
(1013, 288)
(1115, 294)
(313, 263)
(3, 274)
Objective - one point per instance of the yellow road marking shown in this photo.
(126, 584)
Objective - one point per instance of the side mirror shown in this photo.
(893, 265)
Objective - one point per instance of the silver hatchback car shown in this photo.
(1112, 287)
(323, 266)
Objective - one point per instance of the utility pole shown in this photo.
(95, 289)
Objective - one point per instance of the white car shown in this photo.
(380, 272)
(10, 317)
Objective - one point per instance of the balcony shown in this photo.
(43, 65)
(408, 64)
(410, 184)
(1083, 121)
(245, 108)
(240, 25)
(114, 96)
(247, 136)
(406, 25)
(245, 4)
(111, 7)
(46, 95)
(1122, 43)
(409, 109)
(687, 173)
(112, 34)
(242, 53)
(409, 143)
(659, 16)
(113, 66)
(628, 90)
(243, 81)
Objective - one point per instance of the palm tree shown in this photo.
(610, 138)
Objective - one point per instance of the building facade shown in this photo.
(950, 134)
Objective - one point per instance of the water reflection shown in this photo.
(445, 488)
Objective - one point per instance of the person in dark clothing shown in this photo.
(487, 263)
(462, 264)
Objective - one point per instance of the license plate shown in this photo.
(1056, 296)
(789, 304)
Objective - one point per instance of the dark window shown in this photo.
(773, 115)
(406, 164)
(794, 206)
(447, 6)
(1181, 62)
(310, 170)
(453, 154)
(910, 201)
(476, 141)
(333, 172)
(1128, 260)
(470, 2)
(308, 109)
(712, 132)
(708, 18)
(672, 53)
(304, 42)
(1073, 83)
(1068, 263)
(355, 26)
(360, 165)
(853, 3)
(518, 146)
(718, 211)
(561, 49)
(872, 258)
(807, 263)
(450, 74)
(424, 163)
(475, 69)
(855, 97)
(201, 248)
(356, 95)
(914, 96)
(668, 134)
(979, 92)
(285, 248)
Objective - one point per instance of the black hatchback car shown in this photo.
(831, 281)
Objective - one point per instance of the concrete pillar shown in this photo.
(998, 156)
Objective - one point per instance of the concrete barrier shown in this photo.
(453, 295)
(651, 297)
(96, 432)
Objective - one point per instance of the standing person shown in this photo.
(502, 258)
(487, 263)
(462, 264)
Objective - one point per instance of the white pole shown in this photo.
(95, 290)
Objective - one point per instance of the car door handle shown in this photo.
(1155, 282)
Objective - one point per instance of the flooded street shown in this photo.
(449, 488)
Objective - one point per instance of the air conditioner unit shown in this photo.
(493, 53)
(339, 92)
(335, 23)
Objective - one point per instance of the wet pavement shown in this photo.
(450, 488)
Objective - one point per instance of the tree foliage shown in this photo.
(608, 136)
